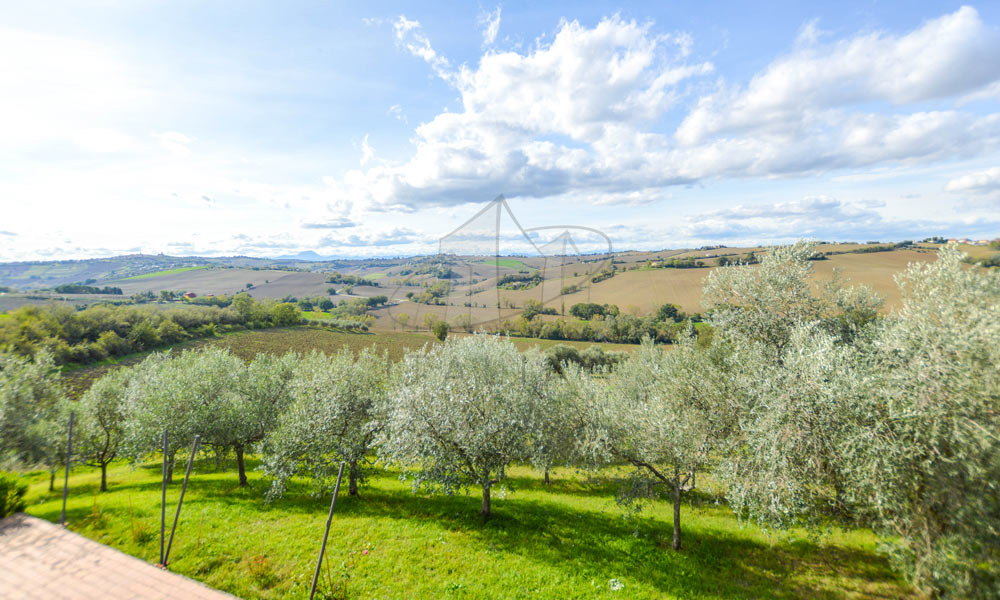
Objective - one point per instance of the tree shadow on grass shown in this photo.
(583, 543)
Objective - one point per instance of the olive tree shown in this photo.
(330, 418)
(242, 419)
(100, 425)
(555, 423)
(185, 395)
(460, 413)
(788, 346)
(653, 414)
(927, 461)
(32, 412)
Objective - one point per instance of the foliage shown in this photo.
(926, 463)
(12, 492)
(891, 421)
(329, 419)
(79, 288)
(103, 331)
(440, 330)
(656, 414)
(185, 395)
(31, 411)
(460, 413)
(100, 426)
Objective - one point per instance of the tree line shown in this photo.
(805, 405)
(103, 331)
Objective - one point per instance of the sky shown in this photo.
(374, 129)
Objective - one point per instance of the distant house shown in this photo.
(190, 295)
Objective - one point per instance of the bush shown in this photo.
(441, 330)
(562, 354)
(12, 492)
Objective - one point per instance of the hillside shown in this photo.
(484, 288)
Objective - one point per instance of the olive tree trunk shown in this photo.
(352, 488)
(241, 465)
(677, 511)
(485, 510)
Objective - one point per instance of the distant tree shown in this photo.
(284, 314)
(330, 418)
(441, 330)
(463, 321)
(249, 285)
(331, 291)
(460, 413)
(326, 304)
(403, 319)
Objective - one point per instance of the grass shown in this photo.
(566, 540)
(166, 272)
(510, 263)
(316, 314)
(374, 275)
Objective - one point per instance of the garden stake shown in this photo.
(194, 448)
(329, 519)
(69, 450)
(163, 497)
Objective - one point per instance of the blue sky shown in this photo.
(267, 128)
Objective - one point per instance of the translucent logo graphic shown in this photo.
(492, 269)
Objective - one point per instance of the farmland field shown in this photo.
(247, 344)
(510, 263)
(564, 540)
(166, 272)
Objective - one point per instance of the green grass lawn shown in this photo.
(166, 272)
(565, 540)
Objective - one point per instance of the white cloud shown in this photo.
(582, 116)
(567, 115)
(490, 22)
(409, 36)
(984, 182)
(367, 152)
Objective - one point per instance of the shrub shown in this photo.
(12, 492)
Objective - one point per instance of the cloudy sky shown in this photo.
(268, 128)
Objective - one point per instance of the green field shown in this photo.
(316, 315)
(374, 275)
(510, 263)
(565, 540)
(166, 272)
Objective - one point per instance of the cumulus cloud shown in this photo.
(984, 182)
(564, 116)
(946, 57)
(585, 115)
